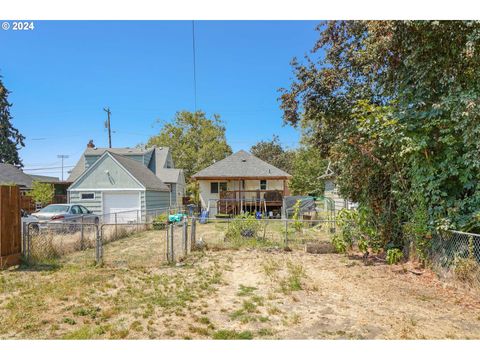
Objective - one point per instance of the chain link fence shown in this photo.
(456, 254)
(267, 233)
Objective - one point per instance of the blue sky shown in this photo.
(63, 73)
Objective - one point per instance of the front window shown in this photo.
(215, 187)
(263, 184)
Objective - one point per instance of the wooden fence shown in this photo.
(10, 226)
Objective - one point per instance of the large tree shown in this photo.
(273, 152)
(10, 138)
(195, 141)
(395, 105)
(307, 168)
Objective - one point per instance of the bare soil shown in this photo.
(244, 293)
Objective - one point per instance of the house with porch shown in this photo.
(242, 183)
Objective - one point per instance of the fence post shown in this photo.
(286, 232)
(81, 235)
(185, 236)
(98, 246)
(137, 220)
(192, 234)
(170, 244)
(116, 230)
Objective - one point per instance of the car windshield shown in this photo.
(55, 209)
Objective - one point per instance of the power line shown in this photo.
(194, 67)
(49, 168)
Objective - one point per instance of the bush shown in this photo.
(242, 227)
(356, 228)
(394, 256)
(160, 221)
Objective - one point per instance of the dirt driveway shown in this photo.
(235, 294)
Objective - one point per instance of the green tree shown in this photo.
(195, 141)
(307, 168)
(273, 153)
(414, 89)
(10, 138)
(42, 193)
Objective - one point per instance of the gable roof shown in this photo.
(11, 174)
(161, 156)
(79, 168)
(170, 175)
(43, 178)
(241, 165)
(140, 172)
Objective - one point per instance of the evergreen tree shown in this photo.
(10, 138)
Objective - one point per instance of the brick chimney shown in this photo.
(91, 145)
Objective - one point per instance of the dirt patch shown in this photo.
(233, 294)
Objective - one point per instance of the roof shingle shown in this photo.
(241, 165)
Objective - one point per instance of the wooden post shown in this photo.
(10, 226)
(185, 236)
(192, 234)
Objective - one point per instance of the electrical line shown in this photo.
(49, 168)
(194, 67)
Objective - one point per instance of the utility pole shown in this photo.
(62, 157)
(107, 125)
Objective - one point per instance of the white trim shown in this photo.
(109, 189)
(96, 163)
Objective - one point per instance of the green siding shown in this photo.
(94, 205)
(157, 199)
(90, 160)
(98, 178)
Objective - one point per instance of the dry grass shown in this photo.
(231, 294)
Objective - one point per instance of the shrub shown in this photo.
(356, 228)
(394, 256)
(160, 221)
(242, 227)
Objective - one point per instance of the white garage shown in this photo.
(119, 185)
(126, 204)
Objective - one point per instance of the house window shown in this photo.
(87, 196)
(216, 186)
(263, 184)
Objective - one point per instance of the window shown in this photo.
(223, 186)
(87, 196)
(263, 184)
(75, 210)
(216, 186)
(84, 209)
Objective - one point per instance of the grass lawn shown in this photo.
(246, 293)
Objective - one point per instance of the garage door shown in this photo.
(124, 204)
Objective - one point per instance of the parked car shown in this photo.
(65, 214)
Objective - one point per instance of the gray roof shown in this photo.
(170, 175)
(161, 155)
(10, 174)
(141, 173)
(119, 151)
(241, 165)
(43, 178)
(80, 166)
